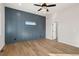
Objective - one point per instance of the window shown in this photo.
(30, 23)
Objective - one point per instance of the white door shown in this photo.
(54, 30)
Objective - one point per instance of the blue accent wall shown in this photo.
(17, 30)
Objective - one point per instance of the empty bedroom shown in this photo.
(39, 29)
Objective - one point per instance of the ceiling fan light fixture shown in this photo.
(44, 7)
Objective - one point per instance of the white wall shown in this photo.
(2, 27)
(68, 25)
(48, 27)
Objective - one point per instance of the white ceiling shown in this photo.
(29, 7)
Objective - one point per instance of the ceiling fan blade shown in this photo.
(39, 9)
(51, 5)
(47, 10)
(37, 5)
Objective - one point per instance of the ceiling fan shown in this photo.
(44, 6)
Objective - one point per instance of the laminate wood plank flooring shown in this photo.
(42, 47)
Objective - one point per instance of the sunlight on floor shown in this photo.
(51, 54)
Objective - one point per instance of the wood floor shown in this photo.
(43, 47)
